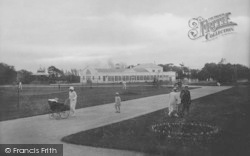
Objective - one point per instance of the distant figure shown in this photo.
(173, 101)
(73, 100)
(59, 86)
(20, 86)
(218, 84)
(117, 102)
(185, 101)
(124, 86)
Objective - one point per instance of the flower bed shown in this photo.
(185, 131)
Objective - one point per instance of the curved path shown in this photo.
(42, 130)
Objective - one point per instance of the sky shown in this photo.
(79, 33)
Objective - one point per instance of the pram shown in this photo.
(58, 110)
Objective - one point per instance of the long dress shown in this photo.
(173, 101)
(73, 100)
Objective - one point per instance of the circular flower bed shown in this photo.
(185, 131)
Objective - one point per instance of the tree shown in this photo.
(54, 74)
(224, 72)
(167, 67)
(194, 73)
(24, 76)
(52, 70)
(7, 74)
(241, 72)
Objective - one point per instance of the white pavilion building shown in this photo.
(139, 73)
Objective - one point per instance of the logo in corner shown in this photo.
(7, 150)
(210, 28)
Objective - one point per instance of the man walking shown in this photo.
(73, 100)
(185, 101)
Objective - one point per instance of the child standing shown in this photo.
(117, 102)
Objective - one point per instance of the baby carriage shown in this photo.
(58, 110)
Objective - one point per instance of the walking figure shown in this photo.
(20, 86)
(124, 86)
(117, 103)
(173, 103)
(73, 100)
(185, 101)
(218, 84)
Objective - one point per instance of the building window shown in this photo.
(116, 78)
(151, 77)
(111, 78)
(137, 77)
(99, 77)
(83, 78)
(127, 78)
(132, 78)
(141, 77)
(88, 77)
(93, 78)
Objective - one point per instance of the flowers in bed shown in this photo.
(186, 131)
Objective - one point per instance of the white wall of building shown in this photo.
(128, 75)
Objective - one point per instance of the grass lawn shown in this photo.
(228, 110)
(34, 100)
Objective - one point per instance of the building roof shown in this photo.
(40, 74)
(147, 65)
(109, 70)
(140, 70)
(143, 68)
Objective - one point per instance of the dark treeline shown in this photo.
(222, 72)
(8, 75)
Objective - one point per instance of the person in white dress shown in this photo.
(20, 86)
(173, 103)
(73, 100)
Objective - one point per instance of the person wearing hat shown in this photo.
(117, 102)
(173, 101)
(72, 99)
(185, 101)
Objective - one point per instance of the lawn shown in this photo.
(228, 110)
(33, 100)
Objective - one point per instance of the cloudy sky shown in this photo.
(75, 33)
